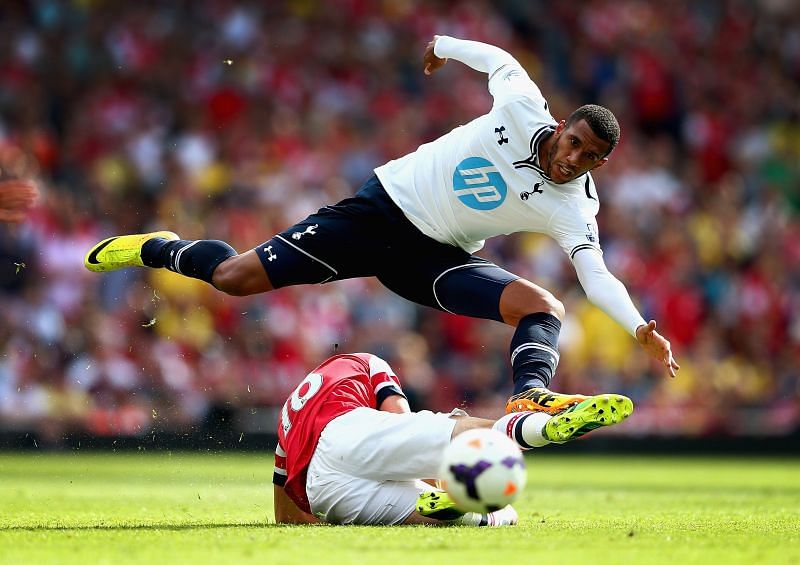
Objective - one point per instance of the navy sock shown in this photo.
(534, 351)
(196, 259)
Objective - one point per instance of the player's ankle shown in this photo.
(525, 428)
(504, 517)
(152, 252)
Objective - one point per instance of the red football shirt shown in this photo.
(339, 385)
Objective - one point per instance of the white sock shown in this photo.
(525, 428)
(471, 519)
(504, 517)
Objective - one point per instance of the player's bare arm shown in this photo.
(287, 512)
(396, 404)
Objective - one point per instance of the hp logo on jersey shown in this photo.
(478, 184)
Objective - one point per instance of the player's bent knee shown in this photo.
(522, 297)
(226, 277)
(556, 308)
(238, 276)
(549, 305)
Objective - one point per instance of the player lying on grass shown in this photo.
(350, 451)
(416, 223)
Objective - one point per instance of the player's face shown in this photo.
(575, 150)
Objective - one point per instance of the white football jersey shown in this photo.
(483, 179)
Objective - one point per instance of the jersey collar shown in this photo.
(532, 162)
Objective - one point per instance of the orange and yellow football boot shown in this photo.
(542, 400)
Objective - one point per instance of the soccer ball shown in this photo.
(483, 470)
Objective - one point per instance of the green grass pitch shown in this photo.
(212, 508)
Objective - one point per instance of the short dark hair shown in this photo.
(603, 122)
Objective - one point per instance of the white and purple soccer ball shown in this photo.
(483, 471)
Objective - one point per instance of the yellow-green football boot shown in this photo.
(594, 412)
(438, 505)
(121, 251)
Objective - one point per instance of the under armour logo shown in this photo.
(500, 131)
(309, 230)
(536, 189)
(271, 254)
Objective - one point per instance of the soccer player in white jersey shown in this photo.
(350, 451)
(415, 224)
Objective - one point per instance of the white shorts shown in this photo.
(368, 463)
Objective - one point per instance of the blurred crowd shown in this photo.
(231, 120)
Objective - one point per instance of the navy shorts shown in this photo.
(369, 236)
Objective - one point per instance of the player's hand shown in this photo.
(430, 61)
(16, 198)
(658, 347)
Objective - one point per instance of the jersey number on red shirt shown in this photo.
(302, 394)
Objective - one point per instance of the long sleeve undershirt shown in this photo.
(605, 291)
(480, 56)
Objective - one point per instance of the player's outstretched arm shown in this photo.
(287, 512)
(480, 56)
(606, 292)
